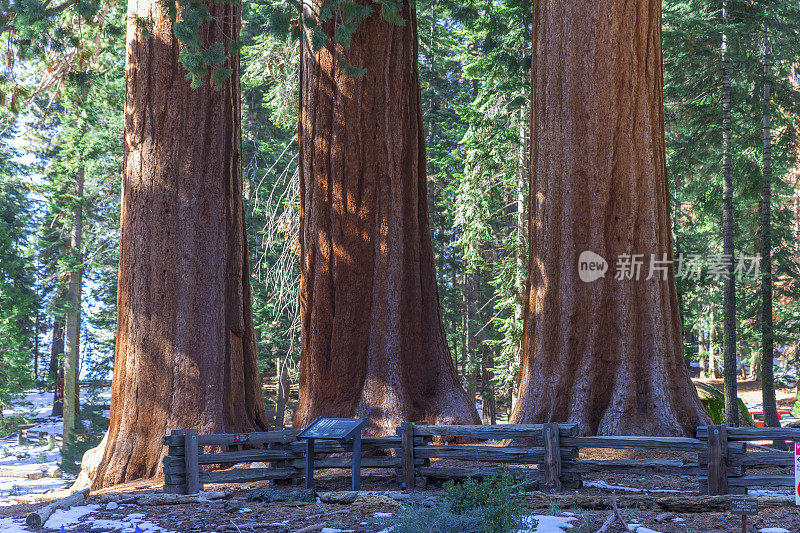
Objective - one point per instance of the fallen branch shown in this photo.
(37, 519)
(309, 529)
(320, 515)
(616, 511)
(607, 523)
(694, 503)
(176, 499)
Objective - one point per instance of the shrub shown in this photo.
(495, 498)
(489, 506)
(440, 519)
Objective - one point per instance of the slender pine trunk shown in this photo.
(729, 289)
(73, 320)
(767, 344)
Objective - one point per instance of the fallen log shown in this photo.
(160, 498)
(36, 519)
(680, 504)
(175, 499)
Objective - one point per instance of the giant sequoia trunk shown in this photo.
(185, 352)
(605, 354)
(373, 344)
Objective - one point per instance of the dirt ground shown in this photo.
(750, 392)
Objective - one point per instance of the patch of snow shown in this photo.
(638, 528)
(773, 530)
(769, 492)
(334, 530)
(546, 524)
(124, 525)
(382, 515)
(69, 517)
(679, 519)
(600, 484)
(15, 486)
(21, 459)
(11, 525)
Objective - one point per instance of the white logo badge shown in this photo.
(591, 266)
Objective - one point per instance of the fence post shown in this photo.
(552, 456)
(407, 444)
(191, 454)
(356, 476)
(174, 465)
(717, 460)
(310, 463)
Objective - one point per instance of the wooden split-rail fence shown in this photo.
(721, 459)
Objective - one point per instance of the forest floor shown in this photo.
(381, 503)
(750, 393)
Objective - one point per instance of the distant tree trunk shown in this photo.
(373, 344)
(607, 355)
(471, 364)
(704, 354)
(488, 391)
(73, 320)
(755, 363)
(729, 287)
(35, 345)
(54, 370)
(521, 251)
(283, 393)
(185, 353)
(767, 340)
(713, 354)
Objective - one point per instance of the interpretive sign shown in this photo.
(332, 428)
(341, 429)
(744, 506)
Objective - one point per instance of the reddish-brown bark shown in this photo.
(185, 353)
(372, 338)
(606, 354)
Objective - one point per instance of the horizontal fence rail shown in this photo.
(723, 455)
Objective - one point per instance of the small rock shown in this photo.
(301, 495)
(54, 471)
(259, 465)
(261, 495)
(370, 503)
(271, 495)
(110, 506)
(430, 501)
(664, 517)
(35, 475)
(340, 497)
